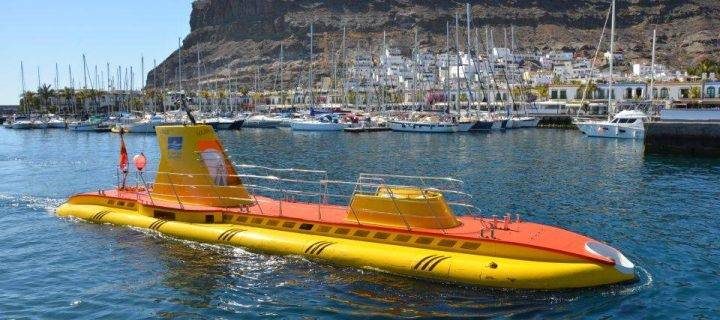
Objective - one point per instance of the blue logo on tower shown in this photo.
(175, 147)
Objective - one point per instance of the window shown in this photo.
(664, 93)
(553, 94)
(628, 93)
(563, 94)
(655, 93)
(710, 92)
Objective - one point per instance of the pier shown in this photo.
(683, 137)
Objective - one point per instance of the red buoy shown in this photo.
(140, 161)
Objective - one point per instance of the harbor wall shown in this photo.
(683, 137)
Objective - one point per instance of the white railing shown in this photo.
(302, 185)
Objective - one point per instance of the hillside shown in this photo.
(234, 37)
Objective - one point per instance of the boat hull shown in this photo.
(317, 126)
(406, 260)
(22, 125)
(423, 127)
(605, 130)
(482, 126)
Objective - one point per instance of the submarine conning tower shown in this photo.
(194, 169)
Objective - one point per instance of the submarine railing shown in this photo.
(323, 195)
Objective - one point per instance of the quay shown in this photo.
(697, 138)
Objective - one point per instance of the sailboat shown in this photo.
(627, 124)
(326, 122)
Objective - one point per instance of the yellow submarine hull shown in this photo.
(472, 269)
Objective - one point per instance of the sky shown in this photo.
(41, 33)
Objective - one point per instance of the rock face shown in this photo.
(235, 37)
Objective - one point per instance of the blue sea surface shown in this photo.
(661, 211)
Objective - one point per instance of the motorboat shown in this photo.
(89, 125)
(220, 123)
(56, 123)
(627, 124)
(424, 123)
(22, 123)
(261, 121)
(414, 226)
(39, 123)
(326, 122)
(149, 123)
(516, 122)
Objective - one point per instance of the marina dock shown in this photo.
(683, 137)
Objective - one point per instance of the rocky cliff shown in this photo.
(235, 37)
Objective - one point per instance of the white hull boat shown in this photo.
(261, 122)
(314, 125)
(522, 122)
(625, 125)
(425, 127)
(22, 124)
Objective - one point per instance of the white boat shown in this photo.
(148, 124)
(522, 122)
(219, 123)
(91, 124)
(22, 123)
(56, 123)
(39, 124)
(423, 126)
(261, 121)
(326, 122)
(627, 124)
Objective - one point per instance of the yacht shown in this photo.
(428, 124)
(22, 123)
(627, 124)
(522, 122)
(86, 125)
(148, 124)
(220, 123)
(39, 123)
(56, 123)
(261, 121)
(327, 122)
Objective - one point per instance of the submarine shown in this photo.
(416, 231)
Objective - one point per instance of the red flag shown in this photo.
(123, 156)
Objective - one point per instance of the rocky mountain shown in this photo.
(236, 37)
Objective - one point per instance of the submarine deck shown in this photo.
(520, 233)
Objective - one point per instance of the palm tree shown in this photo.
(45, 91)
(67, 94)
(706, 66)
(28, 100)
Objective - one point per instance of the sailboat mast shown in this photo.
(652, 67)
(457, 58)
(38, 78)
(282, 58)
(612, 59)
(142, 72)
(22, 77)
(57, 77)
(415, 69)
(344, 69)
(310, 69)
(468, 48)
(197, 70)
(70, 77)
(84, 72)
(179, 64)
(447, 62)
